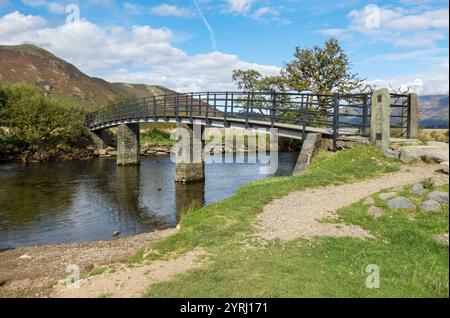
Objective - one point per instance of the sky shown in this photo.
(194, 45)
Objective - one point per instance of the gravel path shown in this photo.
(126, 282)
(299, 213)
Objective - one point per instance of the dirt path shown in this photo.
(299, 213)
(28, 268)
(130, 281)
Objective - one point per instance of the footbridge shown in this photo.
(295, 115)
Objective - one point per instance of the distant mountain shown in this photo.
(33, 65)
(434, 111)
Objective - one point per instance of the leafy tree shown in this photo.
(34, 123)
(322, 70)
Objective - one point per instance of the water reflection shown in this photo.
(88, 200)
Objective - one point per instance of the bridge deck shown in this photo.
(285, 130)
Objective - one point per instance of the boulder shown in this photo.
(375, 212)
(388, 195)
(430, 154)
(444, 166)
(369, 201)
(441, 197)
(401, 203)
(101, 152)
(418, 189)
(389, 153)
(431, 206)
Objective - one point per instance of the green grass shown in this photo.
(335, 267)
(158, 137)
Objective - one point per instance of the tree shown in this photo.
(35, 123)
(322, 70)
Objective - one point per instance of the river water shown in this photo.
(82, 201)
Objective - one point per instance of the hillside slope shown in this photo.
(33, 65)
(434, 111)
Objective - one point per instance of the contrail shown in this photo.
(208, 26)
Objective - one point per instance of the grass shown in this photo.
(411, 263)
(157, 137)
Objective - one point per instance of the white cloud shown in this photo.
(239, 6)
(51, 6)
(170, 10)
(115, 52)
(397, 26)
(434, 81)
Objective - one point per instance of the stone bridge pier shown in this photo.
(190, 164)
(128, 144)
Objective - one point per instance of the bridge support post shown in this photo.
(413, 116)
(128, 144)
(380, 120)
(102, 138)
(310, 146)
(194, 170)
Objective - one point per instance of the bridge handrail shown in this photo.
(334, 111)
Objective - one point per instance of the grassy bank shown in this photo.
(412, 263)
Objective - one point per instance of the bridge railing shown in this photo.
(341, 114)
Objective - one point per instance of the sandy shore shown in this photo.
(26, 270)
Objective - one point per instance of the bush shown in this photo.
(36, 125)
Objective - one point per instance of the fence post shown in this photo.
(225, 113)
(380, 121)
(155, 119)
(413, 116)
(335, 120)
(273, 110)
(176, 108)
(365, 124)
(247, 110)
(207, 109)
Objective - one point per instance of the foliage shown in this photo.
(157, 137)
(33, 123)
(322, 70)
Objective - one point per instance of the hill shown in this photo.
(434, 111)
(33, 65)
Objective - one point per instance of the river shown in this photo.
(80, 201)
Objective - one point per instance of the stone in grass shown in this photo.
(441, 238)
(369, 201)
(375, 212)
(441, 197)
(431, 206)
(387, 195)
(418, 189)
(401, 203)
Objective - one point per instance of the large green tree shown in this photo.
(322, 70)
(32, 122)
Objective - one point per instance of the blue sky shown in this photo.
(172, 43)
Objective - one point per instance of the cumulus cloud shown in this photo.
(139, 54)
(51, 6)
(398, 26)
(170, 10)
(239, 6)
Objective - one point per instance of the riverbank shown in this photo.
(237, 247)
(32, 271)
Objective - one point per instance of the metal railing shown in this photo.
(342, 114)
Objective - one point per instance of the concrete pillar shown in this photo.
(380, 120)
(128, 144)
(103, 138)
(194, 170)
(413, 119)
(310, 146)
